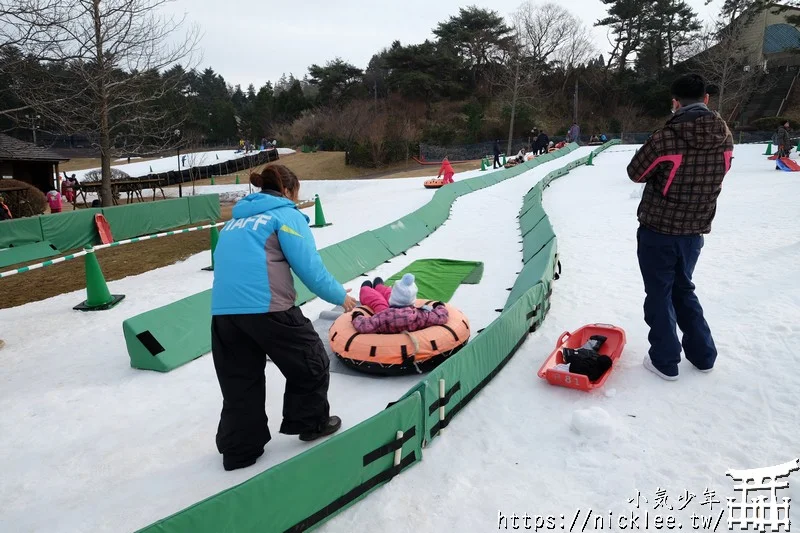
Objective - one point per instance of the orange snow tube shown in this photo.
(433, 184)
(398, 353)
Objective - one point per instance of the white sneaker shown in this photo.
(648, 364)
(706, 371)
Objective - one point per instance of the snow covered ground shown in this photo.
(523, 446)
(337, 190)
(90, 444)
(110, 448)
(166, 164)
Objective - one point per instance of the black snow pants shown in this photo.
(240, 344)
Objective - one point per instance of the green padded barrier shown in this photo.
(536, 239)
(354, 256)
(26, 253)
(165, 338)
(71, 230)
(467, 372)
(529, 220)
(401, 234)
(21, 231)
(432, 215)
(461, 187)
(533, 198)
(316, 480)
(539, 269)
(204, 208)
(134, 220)
(306, 490)
(438, 279)
(445, 194)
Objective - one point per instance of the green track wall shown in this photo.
(312, 487)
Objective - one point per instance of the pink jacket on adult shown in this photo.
(400, 319)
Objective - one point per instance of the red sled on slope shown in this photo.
(787, 165)
(612, 347)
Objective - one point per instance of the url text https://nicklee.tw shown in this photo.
(583, 520)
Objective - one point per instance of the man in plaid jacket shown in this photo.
(682, 165)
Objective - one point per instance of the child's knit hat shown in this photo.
(404, 292)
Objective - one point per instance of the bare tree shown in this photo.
(375, 137)
(408, 132)
(544, 37)
(26, 24)
(543, 29)
(575, 51)
(101, 74)
(723, 61)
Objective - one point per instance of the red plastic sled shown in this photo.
(103, 229)
(615, 343)
(788, 164)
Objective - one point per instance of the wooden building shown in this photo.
(27, 162)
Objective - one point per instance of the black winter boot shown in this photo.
(377, 281)
(329, 427)
(367, 283)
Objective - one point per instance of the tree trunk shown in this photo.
(513, 108)
(102, 91)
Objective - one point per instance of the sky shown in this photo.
(254, 43)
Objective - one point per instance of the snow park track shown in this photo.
(308, 489)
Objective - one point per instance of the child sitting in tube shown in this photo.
(394, 308)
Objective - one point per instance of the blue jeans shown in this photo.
(667, 263)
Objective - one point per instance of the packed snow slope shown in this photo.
(357, 192)
(166, 164)
(90, 444)
(523, 446)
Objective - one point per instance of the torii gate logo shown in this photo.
(757, 510)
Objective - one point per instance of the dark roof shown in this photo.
(781, 38)
(12, 149)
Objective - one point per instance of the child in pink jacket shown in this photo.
(54, 199)
(447, 170)
(394, 308)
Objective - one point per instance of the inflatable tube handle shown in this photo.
(604, 325)
(563, 338)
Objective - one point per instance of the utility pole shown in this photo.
(180, 176)
(513, 107)
(33, 119)
(575, 113)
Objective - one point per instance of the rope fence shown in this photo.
(93, 249)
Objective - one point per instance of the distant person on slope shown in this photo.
(254, 315)
(497, 152)
(574, 133)
(784, 143)
(446, 170)
(683, 165)
(542, 143)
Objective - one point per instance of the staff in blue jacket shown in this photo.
(254, 315)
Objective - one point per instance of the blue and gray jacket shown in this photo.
(267, 237)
